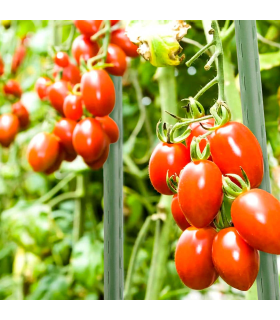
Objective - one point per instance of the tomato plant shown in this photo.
(57, 93)
(83, 48)
(9, 126)
(117, 57)
(120, 39)
(73, 107)
(64, 129)
(110, 128)
(88, 27)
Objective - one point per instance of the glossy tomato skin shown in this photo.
(64, 129)
(89, 139)
(21, 112)
(98, 92)
(12, 87)
(9, 126)
(234, 145)
(119, 38)
(236, 262)
(61, 59)
(117, 57)
(18, 58)
(57, 93)
(167, 157)
(200, 192)
(71, 74)
(98, 164)
(197, 130)
(83, 48)
(110, 128)
(193, 258)
(88, 27)
(42, 87)
(58, 161)
(178, 214)
(43, 151)
(73, 107)
(256, 217)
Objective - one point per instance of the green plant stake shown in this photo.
(113, 208)
(253, 118)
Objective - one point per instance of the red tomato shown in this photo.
(256, 217)
(9, 126)
(42, 87)
(13, 87)
(2, 66)
(98, 92)
(89, 139)
(21, 112)
(117, 57)
(43, 151)
(200, 192)
(18, 58)
(234, 145)
(60, 157)
(70, 74)
(98, 164)
(119, 38)
(88, 27)
(110, 128)
(64, 129)
(73, 107)
(61, 59)
(57, 93)
(197, 130)
(193, 258)
(178, 214)
(236, 262)
(83, 48)
(167, 157)
(113, 22)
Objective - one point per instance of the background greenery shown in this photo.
(51, 243)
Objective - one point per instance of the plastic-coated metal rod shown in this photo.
(253, 118)
(113, 208)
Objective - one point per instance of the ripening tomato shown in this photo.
(113, 22)
(256, 217)
(18, 57)
(60, 157)
(89, 139)
(236, 262)
(64, 129)
(57, 93)
(119, 38)
(42, 87)
(193, 258)
(233, 146)
(43, 151)
(110, 128)
(61, 59)
(9, 126)
(88, 27)
(117, 57)
(13, 87)
(197, 130)
(98, 164)
(178, 214)
(98, 92)
(200, 192)
(73, 107)
(21, 112)
(2, 66)
(70, 74)
(83, 48)
(167, 157)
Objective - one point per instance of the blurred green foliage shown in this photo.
(51, 245)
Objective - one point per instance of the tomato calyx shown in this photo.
(196, 154)
(167, 134)
(221, 114)
(77, 90)
(172, 182)
(231, 189)
(194, 108)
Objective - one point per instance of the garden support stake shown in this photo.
(113, 208)
(253, 118)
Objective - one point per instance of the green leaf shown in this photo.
(269, 60)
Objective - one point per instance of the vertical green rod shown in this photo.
(113, 208)
(253, 118)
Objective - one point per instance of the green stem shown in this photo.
(205, 88)
(196, 44)
(199, 53)
(132, 262)
(62, 197)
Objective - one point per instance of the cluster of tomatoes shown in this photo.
(215, 162)
(84, 95)
(18, 119)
